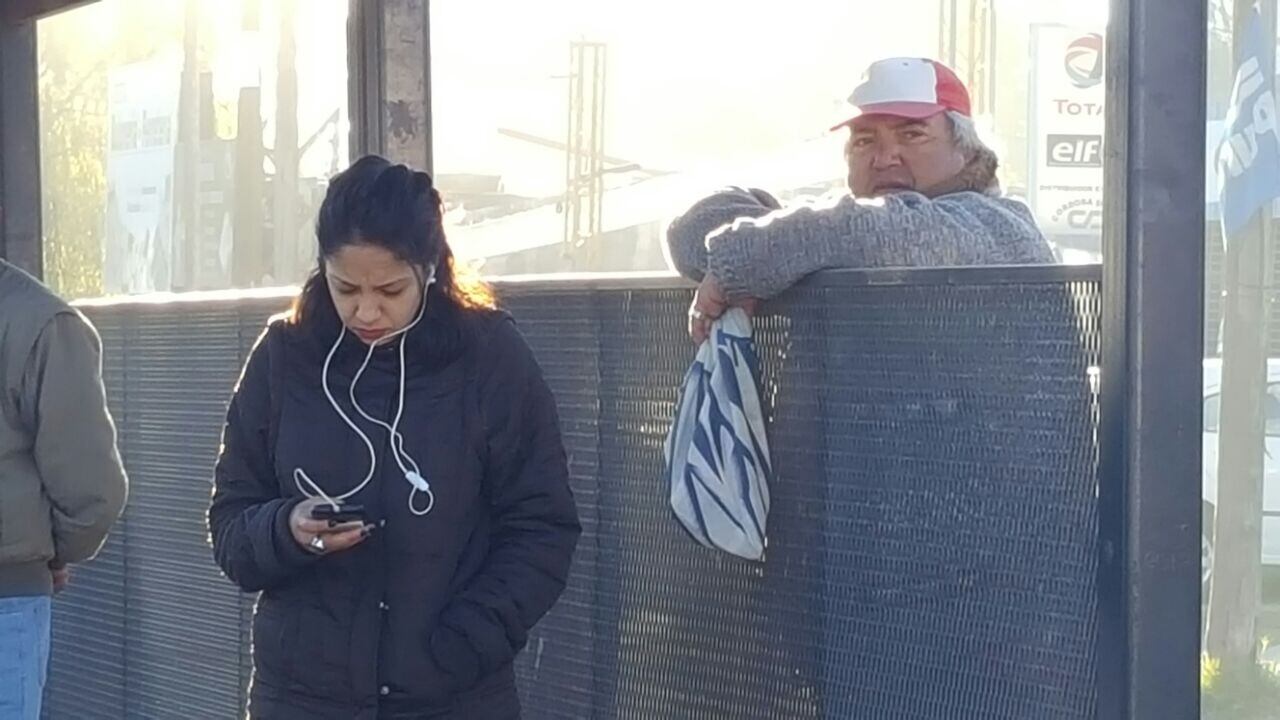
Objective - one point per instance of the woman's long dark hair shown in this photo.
(375, 202)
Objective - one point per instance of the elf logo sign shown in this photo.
(1073, 151)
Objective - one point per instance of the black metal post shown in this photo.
(21, 11)
(20, 234)
(1153, 244)
(364, 76)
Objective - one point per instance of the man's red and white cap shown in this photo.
(914, 88)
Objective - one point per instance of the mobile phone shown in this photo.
(343, 514)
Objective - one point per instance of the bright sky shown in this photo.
(690, 82)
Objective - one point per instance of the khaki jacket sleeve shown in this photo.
(75, 439)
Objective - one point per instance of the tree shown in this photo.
(1235, 590)
(73, 138)
(75, 60)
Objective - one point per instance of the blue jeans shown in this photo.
(24, 656)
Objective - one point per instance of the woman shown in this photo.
(392, 477)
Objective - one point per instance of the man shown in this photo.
(61, 482)
(923, 193)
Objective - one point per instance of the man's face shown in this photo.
(889, 154)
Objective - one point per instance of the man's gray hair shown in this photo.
(966, 134)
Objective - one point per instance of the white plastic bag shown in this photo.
(717, 453)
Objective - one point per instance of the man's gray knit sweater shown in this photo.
(754, 248)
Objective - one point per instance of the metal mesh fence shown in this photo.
(932, 534)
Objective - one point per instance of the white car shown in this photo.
(1270, 467)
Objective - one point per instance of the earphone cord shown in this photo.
(411, 471)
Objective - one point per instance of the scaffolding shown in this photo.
(584, 153)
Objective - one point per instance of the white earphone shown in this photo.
(412, 473)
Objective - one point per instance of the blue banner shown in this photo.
(1249, 156)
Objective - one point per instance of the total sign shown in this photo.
(1065, 133)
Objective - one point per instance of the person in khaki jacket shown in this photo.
(61, 482)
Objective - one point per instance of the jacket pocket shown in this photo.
(493, 698)
(26, 527)
(275, 635)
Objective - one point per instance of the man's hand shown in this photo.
(61, 576)
(709, 303)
